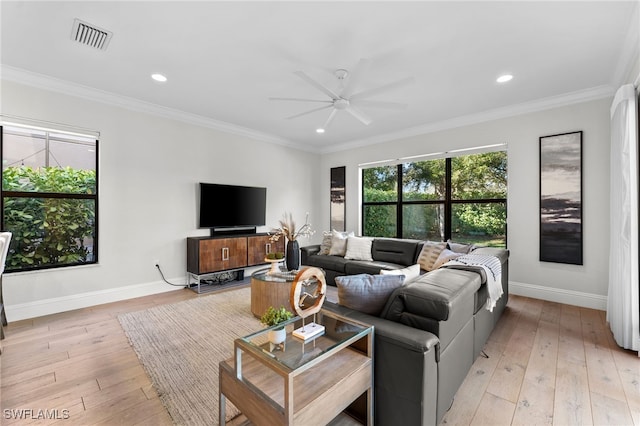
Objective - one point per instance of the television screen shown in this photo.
(224, 206)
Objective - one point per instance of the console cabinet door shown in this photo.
(222, 253)
(260, 246)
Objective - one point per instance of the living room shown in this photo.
(152, 157)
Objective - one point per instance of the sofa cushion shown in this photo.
(339, 243)
(328, 262)
(367, 293)
(444, 257)
(463, 248)
(359, 248)
(354, 267)
(410, 272)
(429, 255)
(393, 250)
(325, 246)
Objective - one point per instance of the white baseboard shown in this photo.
(568, 297)
(56, 305)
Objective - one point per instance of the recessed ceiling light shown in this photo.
(319, 130)
(159, 77)
(504, 78)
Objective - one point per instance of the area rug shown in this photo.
(180, 346)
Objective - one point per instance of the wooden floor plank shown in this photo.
(563, 361)
(493, 411)
(572, 402)
(535, 404)
(610, 411)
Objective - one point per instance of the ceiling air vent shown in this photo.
(90, 35)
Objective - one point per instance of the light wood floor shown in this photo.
(548, 363)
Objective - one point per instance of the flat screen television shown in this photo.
(231, 206)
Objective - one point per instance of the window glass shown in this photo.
(380, 184)
(424, 180)
(49, 198)
(480, 223)
(479, 176)
(49, 231)
(423, 221)
(462, 198)
(380, 220)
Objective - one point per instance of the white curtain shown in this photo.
(623, 310)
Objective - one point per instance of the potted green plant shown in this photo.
(273, 317)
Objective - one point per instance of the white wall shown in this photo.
(149, 170)
(584, 285)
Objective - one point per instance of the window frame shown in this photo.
(448, 200)
(54, 195)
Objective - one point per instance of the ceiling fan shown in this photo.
(347, 99)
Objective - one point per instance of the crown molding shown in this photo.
(566, 99)
(45, 82)
(65, 87)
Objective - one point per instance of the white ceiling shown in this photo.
(225, 59)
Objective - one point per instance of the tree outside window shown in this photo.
(461, 198)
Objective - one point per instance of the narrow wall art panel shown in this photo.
(338, 206)
(561, 198)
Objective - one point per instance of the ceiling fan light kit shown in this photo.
(347, 99)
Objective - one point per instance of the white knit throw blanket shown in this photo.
(493, 270)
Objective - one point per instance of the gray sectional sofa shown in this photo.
(429, 333)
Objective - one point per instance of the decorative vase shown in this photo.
(293, 255)
(277, 336)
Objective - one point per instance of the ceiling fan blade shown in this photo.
(299, 100)
(364, 118)
(330, 118)
(372, 92)
(381, 104)
(309, 112)
(317, 85)
(355, 76)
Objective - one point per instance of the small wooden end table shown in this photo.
(300, 382)
(270, 290)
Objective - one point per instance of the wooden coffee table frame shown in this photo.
(265, 293)
(269, 393)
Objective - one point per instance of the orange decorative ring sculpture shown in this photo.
(297, 294)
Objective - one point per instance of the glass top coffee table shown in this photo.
(300, 381)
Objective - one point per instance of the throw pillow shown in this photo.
(339, 243)
(460, 247)
(325, 246)
(410, 272)
(429, 254)
(359, 248)
(446, 256)
(367, 293)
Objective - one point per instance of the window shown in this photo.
(461, 198)
(49, 198)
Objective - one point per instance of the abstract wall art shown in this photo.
(561, 198)
(338, 206)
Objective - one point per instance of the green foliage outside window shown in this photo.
(473, 177)
(49, 231)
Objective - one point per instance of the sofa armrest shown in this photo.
(406, 370)
(407, 337)
(500, 253)
(433, 295)
(307, 251)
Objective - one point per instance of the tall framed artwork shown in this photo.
(561, 198)
(338, 206)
